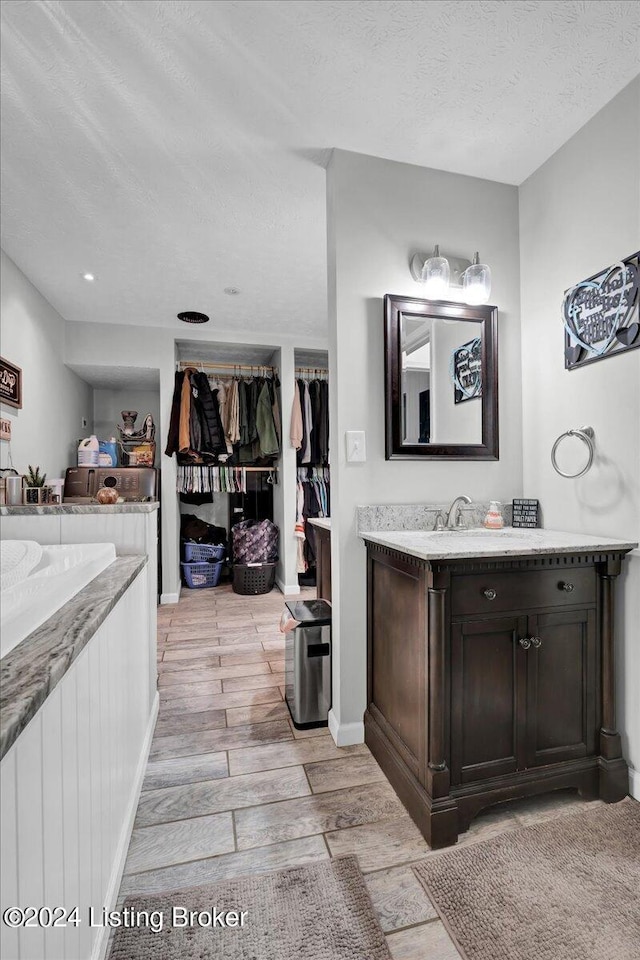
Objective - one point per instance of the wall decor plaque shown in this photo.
(466, 371)
(526, 513)
(600, 314)
(10, 383)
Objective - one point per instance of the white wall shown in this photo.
(54, 399)
(578, 213)
(379, 212)
(109, 404)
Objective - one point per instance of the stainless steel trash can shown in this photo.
(308, 662)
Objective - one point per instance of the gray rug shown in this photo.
(568, 889)
(320, 911)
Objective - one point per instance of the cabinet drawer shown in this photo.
(495, 592)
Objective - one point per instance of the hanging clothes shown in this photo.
(226, 420)
(174, 424)
(296, 432)
(184, 437)
(309, 432)
(265, 426)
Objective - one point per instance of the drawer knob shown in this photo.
(525, 643)
(490, 593)
(567, 587)
(536, 642)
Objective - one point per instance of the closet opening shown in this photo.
(226, 435)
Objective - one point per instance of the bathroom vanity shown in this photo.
(490, 669)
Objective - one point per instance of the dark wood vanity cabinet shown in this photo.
(491, 679)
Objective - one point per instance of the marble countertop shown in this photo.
(55, 509)
(458, 545)
(323, 522)
(30, 671)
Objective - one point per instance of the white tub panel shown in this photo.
(69, 764)
(70, 785)
(52, 747)
(85, 843)
(9, 846)
(29, 800)
(41, 528)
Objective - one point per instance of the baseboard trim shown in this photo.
(287, 589)
(101, 944)
(345, 734)
(169, 598)
(634, 783)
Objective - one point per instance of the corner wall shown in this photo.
(54, 399)
(578, 213)
(379, 213)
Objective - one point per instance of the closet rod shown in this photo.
(311, 370)
(198, 364)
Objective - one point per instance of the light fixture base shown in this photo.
(457, 266)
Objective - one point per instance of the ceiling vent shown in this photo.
(191, 316)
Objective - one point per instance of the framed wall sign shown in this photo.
(10, 383)
(526, 513)
(466, 371)
(600, 314)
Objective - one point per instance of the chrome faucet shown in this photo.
(453, 519)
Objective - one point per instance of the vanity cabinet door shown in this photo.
(561, 687)
(488, 687)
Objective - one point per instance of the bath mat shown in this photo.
(568, 889)
(320, 911)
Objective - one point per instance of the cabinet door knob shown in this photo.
(567, 587)
(536, 642)
(525, 643)
(490, 593)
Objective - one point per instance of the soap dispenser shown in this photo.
(494, 519)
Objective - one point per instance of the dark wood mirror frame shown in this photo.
(487, 316)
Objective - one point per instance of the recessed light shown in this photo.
(89, 277)
(231, 291)
(191, 316)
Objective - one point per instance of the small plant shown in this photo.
(35, 478)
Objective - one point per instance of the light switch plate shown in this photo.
(356, 446)
(5, 429)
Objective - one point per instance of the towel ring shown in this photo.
(587, 435)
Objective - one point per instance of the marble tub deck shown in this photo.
(233, 788)
(31, 671)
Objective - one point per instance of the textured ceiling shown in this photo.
(176, 148)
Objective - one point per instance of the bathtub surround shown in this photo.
(31, 671)
(76, 725)
(75, 509)
(131, 527)
(32, 333)
(568, 231)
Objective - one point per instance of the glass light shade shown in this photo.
(476, 283)
(435, 276)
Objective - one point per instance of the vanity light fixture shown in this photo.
(476, 282)
(436, 275)
(439, 273)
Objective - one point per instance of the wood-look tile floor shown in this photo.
(232, 787)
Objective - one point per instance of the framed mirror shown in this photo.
(441, 380)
